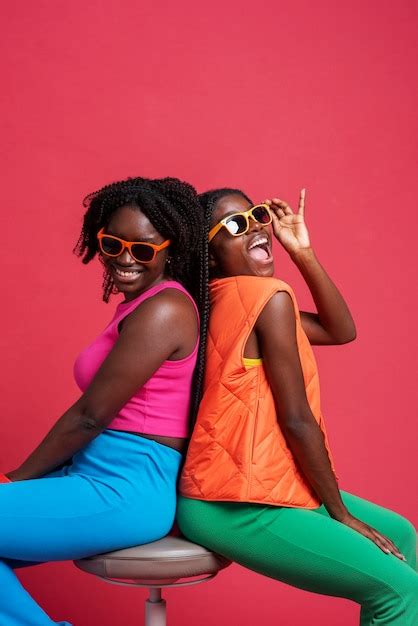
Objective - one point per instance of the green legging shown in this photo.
(310, 550)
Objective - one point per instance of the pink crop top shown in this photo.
(161, 406)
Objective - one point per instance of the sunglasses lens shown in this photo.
(236, 224)
(110, 246)
(262, 215)
(142, 253)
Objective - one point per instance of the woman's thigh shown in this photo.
(388, 522)
(62, 518)
(297, 546)
(119, 491)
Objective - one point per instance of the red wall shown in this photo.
(264, 95)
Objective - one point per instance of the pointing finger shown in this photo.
(302, 202)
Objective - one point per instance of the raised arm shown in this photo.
(149, 336)
(303, 435)
(332, 323)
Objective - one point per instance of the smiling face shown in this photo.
(249, 254)
(129, 276)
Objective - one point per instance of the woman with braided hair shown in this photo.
(258, 485)
(105, 475)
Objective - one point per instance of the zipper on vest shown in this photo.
(251, 451)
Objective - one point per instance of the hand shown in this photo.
(289, 228)
(385, 544)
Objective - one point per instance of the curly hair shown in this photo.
(173, 209)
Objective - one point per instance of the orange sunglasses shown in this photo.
(139, 250)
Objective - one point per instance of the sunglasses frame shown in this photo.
(127, 245)
(247, 214)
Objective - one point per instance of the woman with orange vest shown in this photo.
(259, 485)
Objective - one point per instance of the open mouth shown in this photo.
(125, 275)
(259, 248)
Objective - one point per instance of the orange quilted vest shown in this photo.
(237, 451)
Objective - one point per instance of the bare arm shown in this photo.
(332, 324)
(149, 336)
(281, 361)
(304, 437)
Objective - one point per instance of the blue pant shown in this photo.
(119, 491)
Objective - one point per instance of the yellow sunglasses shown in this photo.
(238, 223)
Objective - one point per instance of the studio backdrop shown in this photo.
(266, 96)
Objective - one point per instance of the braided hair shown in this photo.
(174, 210)
(209, 199)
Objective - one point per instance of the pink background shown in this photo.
(266, 96)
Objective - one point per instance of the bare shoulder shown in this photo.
(278, 315)
(170, 314)
(173, 303)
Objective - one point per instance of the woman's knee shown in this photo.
(408, 589)
(407, 536)
(394, 599)
(408, 529)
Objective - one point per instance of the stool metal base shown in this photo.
(155, 609)
(155, 605)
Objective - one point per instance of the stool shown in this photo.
(163, 563)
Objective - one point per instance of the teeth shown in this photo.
(129, 274)
(259, 242)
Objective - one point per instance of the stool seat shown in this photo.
(163, 561)
(156, 565)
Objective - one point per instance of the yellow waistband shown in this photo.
(252, 362)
